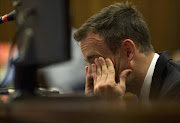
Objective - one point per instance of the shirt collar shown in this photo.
(145, 89)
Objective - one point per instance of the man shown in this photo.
(116, 45)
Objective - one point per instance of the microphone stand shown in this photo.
(25, 81)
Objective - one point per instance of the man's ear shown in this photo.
(129, 48)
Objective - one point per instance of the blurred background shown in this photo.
(162, 17)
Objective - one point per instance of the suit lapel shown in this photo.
(157, 79)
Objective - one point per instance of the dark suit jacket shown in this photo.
(166, 79)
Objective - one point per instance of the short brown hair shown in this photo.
(115, 23)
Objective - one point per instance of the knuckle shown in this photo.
(103, 71)
(101, 87)
(111, 71)
(97, 90)
(111, 82)
(94, 74)
(105, 86)
(88, 77)
(103, 64)
(109, 86)
(98, 73)
(103, 79)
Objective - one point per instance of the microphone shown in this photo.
(8, 17)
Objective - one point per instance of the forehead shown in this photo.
(93, 46)
(92, 42)
(92, 39)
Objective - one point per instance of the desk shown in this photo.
(81, 109)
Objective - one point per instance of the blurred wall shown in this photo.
(162, 17)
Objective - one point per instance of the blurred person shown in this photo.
(117, 47)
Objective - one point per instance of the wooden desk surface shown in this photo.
(79, 109)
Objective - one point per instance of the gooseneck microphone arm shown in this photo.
(8, 17)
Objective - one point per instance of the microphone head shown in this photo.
(11, 15)
(8, 17)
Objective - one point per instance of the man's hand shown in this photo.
(100, 79)
(89, 80)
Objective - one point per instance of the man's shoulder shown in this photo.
(171, 88)
(166, 77)
(165, 63)
(171, 80)
(176, 64)
(171, 72)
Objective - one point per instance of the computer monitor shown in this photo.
(43, 38)
(43, 32)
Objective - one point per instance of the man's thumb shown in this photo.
(123, 76)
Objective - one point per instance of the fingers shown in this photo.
(89, 80)
(111, 70)
(93, 66)
(103, 70)
(122, 78)
(98, 68)
(89, 73)
(86, 69)
(104, 74)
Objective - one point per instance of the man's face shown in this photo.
(93, 46)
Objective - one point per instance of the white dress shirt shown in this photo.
(145, 90)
